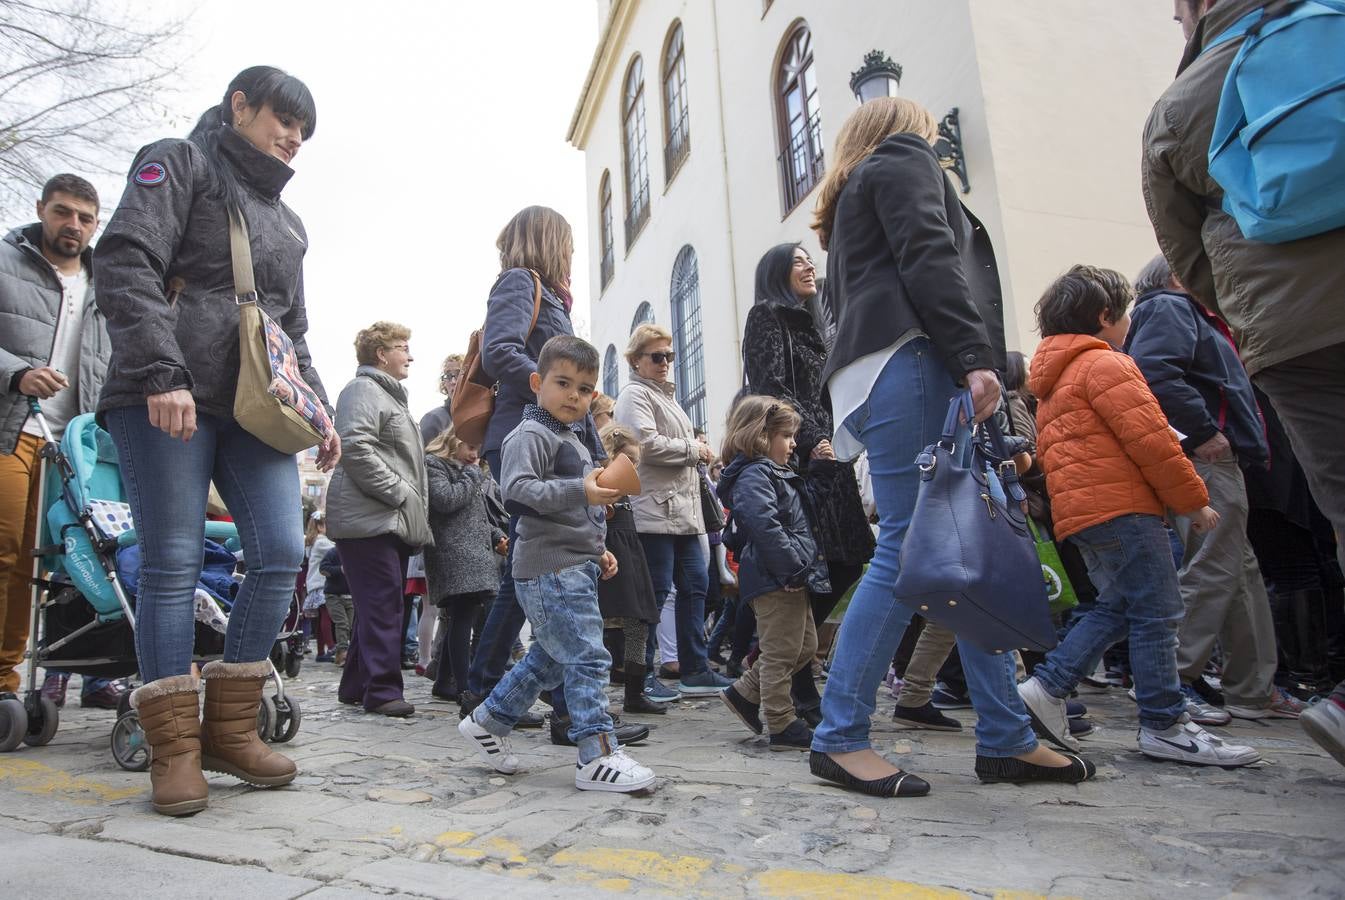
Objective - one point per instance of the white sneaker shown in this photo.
(496, 752)
(1187, 742)
(1324, 722)
(1201, 712)
(1050, 718)
(615, 772)
(1282, 705)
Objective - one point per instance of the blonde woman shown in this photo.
(668, 510)
(914, 292)
(377, 513)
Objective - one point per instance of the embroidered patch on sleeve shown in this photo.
(151, 174)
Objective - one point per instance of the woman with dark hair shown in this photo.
(916, 298)
(784, 355)
(166, 285)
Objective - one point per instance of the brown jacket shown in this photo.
(670, 498)
(1102, 438)
(1281, 300)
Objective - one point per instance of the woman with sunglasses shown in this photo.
(668, 509)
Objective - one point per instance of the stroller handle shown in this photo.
(35, 409)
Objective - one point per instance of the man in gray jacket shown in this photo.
(53, 346)
(1282, 301)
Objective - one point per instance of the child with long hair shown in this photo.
(778, 564)
(462, 567)
(629, 596)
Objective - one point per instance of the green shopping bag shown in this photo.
(1059, 591)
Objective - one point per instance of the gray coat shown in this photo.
(30, 300)
(171, 225)
(380, 486)
(463, 559)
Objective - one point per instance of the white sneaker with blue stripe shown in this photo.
(616, 772)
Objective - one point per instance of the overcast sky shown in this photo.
(437, 121)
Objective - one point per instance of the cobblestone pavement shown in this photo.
(403, 808)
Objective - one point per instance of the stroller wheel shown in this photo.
(266, 719)
(293, 662)
(43, 720)
(129, 747)
(289, 718)
(13, 723)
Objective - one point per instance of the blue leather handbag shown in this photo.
(968, 561)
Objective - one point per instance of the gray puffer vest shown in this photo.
(30, 301)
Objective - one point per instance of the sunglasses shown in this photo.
(661, 357)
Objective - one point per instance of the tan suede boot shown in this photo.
(229, 740)
(170, 714)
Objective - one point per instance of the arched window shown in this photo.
(799, 113)
(607, 262)
(676, 124)
(611, 374)
(686, 315)
(636, 155)
(644, 315)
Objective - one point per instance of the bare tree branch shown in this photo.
(79, 80)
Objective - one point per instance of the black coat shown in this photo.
(509, 354)
(784, 356)
(1196, 374)
(770, 534)
(904, 253)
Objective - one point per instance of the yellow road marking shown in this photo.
(30, 777)
(642, 865)
(829, 885)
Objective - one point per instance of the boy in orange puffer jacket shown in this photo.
(1113, 465)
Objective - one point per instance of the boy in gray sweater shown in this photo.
(549, 481)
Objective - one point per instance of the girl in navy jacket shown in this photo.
(778, 563)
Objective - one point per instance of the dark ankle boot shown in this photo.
(636, 701)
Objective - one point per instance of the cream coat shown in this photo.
(670, 502)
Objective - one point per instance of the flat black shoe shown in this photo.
(637, 702)
(467, 701)
(748, 713)
(530, 719)
(925, 717)
(625, 733)
(996, 770)
(812, 716)
(397, 709)
(796, 736)
(902, 784)
(440, 695)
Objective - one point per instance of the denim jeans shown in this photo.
(562, 608)
(903, 414)
(504, 620)
(1130, 562)
(167, 483)
(677, 559)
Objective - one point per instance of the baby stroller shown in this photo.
(83, 620)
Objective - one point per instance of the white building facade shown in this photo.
(706, 126)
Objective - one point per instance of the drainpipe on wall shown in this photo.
(728, 206)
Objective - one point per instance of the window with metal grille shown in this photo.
(644, 315)
(611, 374)
(686, 315)
(798, 111)
(607, 263)
(636, 155)
(676, 124)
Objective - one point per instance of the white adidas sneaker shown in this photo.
(496, 752)
(1187, 742)
(615, 772)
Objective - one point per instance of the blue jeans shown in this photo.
(1129, 560)
(903, 414)
(677, 559)
(567, 649)
(504, 621)
(167, 483)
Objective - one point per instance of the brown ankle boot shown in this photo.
(229, 741)
(170, 714)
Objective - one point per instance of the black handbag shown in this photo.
(968, 561)
(711, 509)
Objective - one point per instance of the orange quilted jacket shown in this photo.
(1103, 439)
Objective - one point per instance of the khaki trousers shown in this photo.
(18, 524)
(1224, 595)
(341, 610)
(930, 653)
(788, 639)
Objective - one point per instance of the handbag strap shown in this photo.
(536, 305)
(240, 251)
(959, 408)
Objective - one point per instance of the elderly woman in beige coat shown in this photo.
(668, 510)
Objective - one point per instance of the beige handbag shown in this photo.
(272, 401)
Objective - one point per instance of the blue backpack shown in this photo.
(1278, 148)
